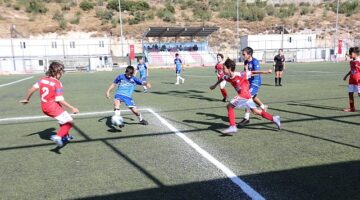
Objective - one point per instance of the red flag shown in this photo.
(132, 52)
(340, 44)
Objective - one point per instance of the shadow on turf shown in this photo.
(45, 134)
(193, 94)
(322, 182)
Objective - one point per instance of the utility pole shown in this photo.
(237, 31)
(121, 32)
(336, 26)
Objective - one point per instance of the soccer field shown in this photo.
(181, 153)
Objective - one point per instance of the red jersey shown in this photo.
(355, 72)
(240, 83)
(51, 92)
(219, 69)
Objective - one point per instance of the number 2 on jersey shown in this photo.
(45, 91)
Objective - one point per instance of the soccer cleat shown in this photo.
(177, 83)
(244, 122)
(280, 84)
(121, 125)
(276, 120)
(230, 131)
(349, 110)
(145, 91)
(183, 81)
(58, 140)
(144, 122)
(225, 99)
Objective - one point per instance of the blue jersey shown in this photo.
(126, 86)
(142, 69)
(178, 63)
(254, 65)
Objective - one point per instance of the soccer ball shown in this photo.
(117, 120)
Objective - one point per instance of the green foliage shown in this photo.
(286, 11)
(270, 10)
(348, 7)
(75, 20)
(63, 24)
(86, 5)
(202, 11)
(104, 14)
(304, 10)
(132, 6)
(166, 15)
(36, 6)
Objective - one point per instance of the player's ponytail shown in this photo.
(54, 69)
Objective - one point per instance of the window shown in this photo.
(290, 39)
(22, 45)
(309, 39)
(41, 62)
(53, 45)
(101, 43)
(72, 44)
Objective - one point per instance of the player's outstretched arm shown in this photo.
(261, 72)
(348, 74)
(111, 87)
(216, 84)
(28, 95)
(67, 105)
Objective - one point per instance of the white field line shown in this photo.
(11, 83)
(230, 174)
(44, 117)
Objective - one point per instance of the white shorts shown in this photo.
(64, 118)
(222, 84)
(354, 88)
(240, 102)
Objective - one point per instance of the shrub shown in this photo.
(86, 5)
(128, 5)
(104, 14)
(58, 16)
(35, 6)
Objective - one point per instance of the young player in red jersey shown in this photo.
(219, 69)
(243, 100)
(52, 101)
(354, 80)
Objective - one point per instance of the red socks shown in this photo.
(266, 116)
(231, 115)
(223, 92)
(64, 129)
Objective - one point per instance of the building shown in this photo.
(23, 55)
(297, 47)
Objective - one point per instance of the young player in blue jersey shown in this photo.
(252, 64)
(144, 71)
(126, 84)
(178, 69)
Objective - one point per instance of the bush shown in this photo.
(58, 16)
(35, 6)
(104, 14)
(270, 10)
(86, 5)
(348, 7)
(75, 20)
(63, 24)
(304, 10)
(132, 6)
(166, 15)
(201, 11)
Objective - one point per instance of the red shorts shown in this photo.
(52, 109)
